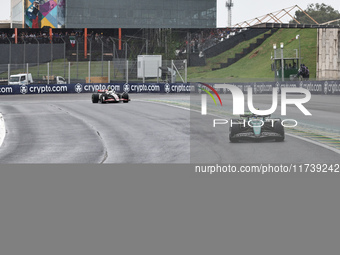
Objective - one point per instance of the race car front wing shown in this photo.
(251, 135)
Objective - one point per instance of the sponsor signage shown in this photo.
(331, 87)
(92, 87)
(33, 89)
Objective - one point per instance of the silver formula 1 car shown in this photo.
(110, 96)
(256, 127)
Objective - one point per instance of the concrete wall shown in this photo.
(328, 58)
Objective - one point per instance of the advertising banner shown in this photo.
(331, 87)
(315, 87)
(94, 87)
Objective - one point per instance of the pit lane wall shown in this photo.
(330, 87)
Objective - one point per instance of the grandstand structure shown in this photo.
(114, 14)
(276, 17)
(81, 30)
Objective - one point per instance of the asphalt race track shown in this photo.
(211, 145)
(68, 128)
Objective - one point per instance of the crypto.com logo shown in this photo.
(78, 88)
(23, 89)
(238, 99)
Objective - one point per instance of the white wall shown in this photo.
(328, 59)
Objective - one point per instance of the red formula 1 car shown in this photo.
(110, 96)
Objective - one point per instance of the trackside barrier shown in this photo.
(329, 87)
(93, 87)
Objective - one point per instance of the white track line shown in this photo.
(315, 142)
(295, 136)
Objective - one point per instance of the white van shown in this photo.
(54, 79)
(20, 79)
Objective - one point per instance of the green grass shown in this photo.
(59, 68)
(256, 66)
(215, 62)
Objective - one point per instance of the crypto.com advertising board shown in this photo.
(91, 88)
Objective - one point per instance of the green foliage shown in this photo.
(321, 13)
(256, 66)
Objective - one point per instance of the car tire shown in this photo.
(95, 98)
(126, 97)
(278, 128)
(233, 140)
(232, 131)
(102, 99)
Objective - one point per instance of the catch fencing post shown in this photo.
(127, 71)
(157, 71)
(90, 47)
(24, 52)
(102, 57)
(186, 71)
(38, 57)
(77, 58)
(51, 55)
(143, 70)
(64, 55)
(10, 50)
(172, 69)
(69, 72)
(9, 72)
(89, 72)
(108, 72)
(48, 73)
(126, 50)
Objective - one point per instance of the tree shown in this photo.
(321, 13)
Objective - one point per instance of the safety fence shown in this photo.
(97, 71)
